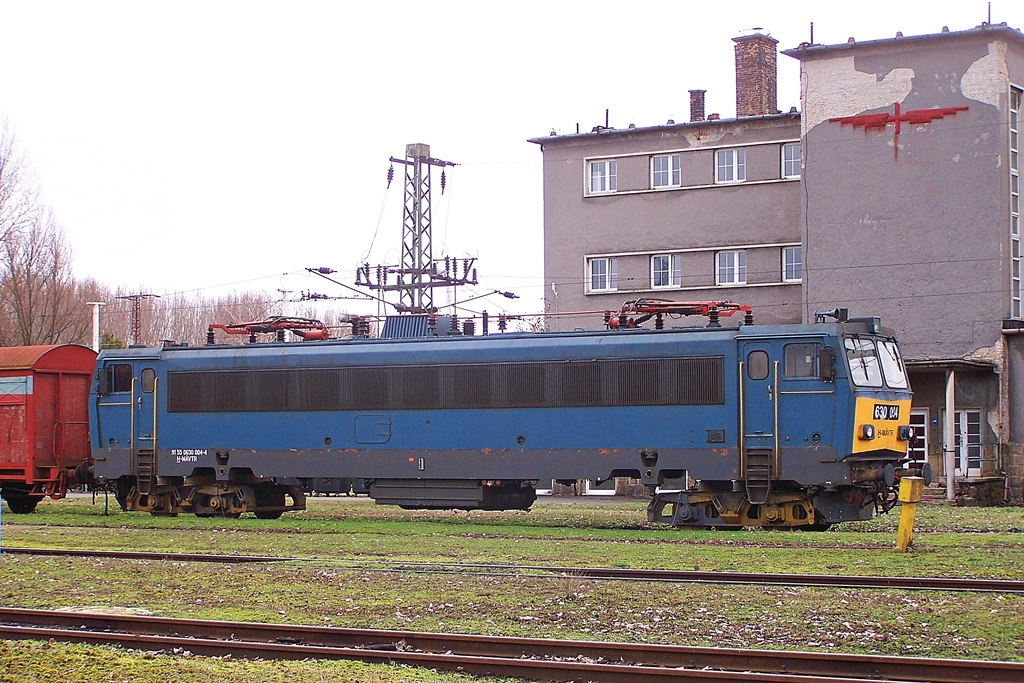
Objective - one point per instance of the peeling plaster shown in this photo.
(988, 78)
(841, 90)
(992, 354)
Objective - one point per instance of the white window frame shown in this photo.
(918, 452)
(790, 163)
(668, 269)
(602, 176)
(730, 166)
(670, 174)
(731, 268)
(967, 452)
(609, 274)
(789, 263)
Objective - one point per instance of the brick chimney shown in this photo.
(756, 75)
(697, 105)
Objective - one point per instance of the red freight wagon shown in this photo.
(44, 420)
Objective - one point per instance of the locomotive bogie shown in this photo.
(204, 496)
(729, 509)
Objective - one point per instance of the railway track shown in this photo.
(597, 573)
(537, 659)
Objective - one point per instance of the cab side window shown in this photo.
(119, 378)
(757, 365)
(801, 360)
(148, 380)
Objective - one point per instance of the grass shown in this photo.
(338, 534)
(45, 662)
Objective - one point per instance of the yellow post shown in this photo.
(909, 496)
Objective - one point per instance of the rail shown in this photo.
(533, 658)
(936, 583)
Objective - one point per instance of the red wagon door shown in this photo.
(15, 437)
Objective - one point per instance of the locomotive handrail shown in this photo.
(131, 425)
(742, 436)
(775, 427)
(156, 381)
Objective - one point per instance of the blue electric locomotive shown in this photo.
(794, 425)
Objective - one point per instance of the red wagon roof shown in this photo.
(62, 357)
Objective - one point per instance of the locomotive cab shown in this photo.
(822, 428)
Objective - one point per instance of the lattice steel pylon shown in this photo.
(415, 290)
(136, 300)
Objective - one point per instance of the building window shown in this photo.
(731, 268)
(603, 276)
(792, 264)
(730, 166)
(602, 176)
(791, 160)
(665, 171)
(666, 270)
(1015, 266)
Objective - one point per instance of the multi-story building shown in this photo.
(894, 193)
(705, 210)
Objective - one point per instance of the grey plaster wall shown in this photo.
(636, 221)
(914, 229)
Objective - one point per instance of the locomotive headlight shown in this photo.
(905, 433)
(867, 432)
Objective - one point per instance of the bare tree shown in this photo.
(19, 196)
(39, 298)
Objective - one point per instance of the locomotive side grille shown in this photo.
(580, 384)
(270, 390)
(420, 386)
(371, 389)
(324, 390)
(522, 384)
(611, 382)
(467, 386)
(638, 382)
(700, 381)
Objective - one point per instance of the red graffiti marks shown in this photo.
(881, 120)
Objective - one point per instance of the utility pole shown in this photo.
(96, 323)
(136, 300)
(417, 247)
(418, 274)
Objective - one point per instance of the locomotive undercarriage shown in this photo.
(205, 497)
(720, 505)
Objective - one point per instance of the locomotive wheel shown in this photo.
(21, 505)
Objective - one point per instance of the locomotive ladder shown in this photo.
(145, 467)
(758, 474)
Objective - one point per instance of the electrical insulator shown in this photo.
(443, 181)
(391, 175)
(325, 271)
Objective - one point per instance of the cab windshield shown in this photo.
(873, 360)
(865, 370)
(892, 364)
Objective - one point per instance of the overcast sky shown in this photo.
(220, 146)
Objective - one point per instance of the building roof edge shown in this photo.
(806, 49)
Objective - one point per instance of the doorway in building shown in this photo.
(917, 450)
